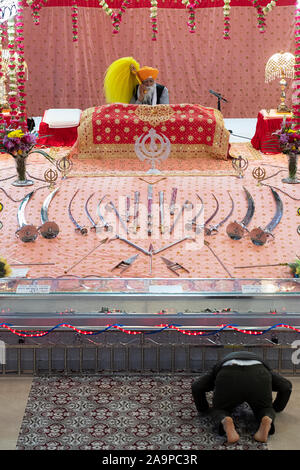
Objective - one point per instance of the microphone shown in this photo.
(218, 95)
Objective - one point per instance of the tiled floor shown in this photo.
(14, 393)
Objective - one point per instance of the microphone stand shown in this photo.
(220, 97)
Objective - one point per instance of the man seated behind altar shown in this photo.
(149, 92)
(126, 82)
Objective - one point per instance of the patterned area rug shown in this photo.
(123, 413)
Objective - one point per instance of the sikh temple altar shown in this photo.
(149, 222)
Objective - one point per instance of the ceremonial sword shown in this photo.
(118, 216)
(235, 230)
(94, 225)
(27, 233)
(258, 235)
(106, 225)
(48, 229)
(192, 224)
(78, 228)
(179, 215)
(214, 228)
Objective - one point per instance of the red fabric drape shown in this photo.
(67, 74)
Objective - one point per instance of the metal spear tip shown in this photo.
(235, 231)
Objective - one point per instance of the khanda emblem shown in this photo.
(153, 147)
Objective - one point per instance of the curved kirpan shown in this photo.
(258, 235)
(26, 233)
(48, 229)
(235, 230)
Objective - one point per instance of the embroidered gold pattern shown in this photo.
(155, 115)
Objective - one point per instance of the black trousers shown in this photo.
(238, 384)
(206, 383)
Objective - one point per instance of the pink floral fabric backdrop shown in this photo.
(67, 74)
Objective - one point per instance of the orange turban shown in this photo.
(147, 72)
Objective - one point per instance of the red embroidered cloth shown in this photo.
(267, 123)
(181, 124)
(112, 130)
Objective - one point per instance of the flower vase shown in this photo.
(20, 161)
(292, 166)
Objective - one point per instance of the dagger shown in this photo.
(136, 224)
(150, 197)
(127, 208)
(173, 201)
(258, 235)
(161, 212)
(48, 229)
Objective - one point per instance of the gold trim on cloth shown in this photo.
(85, 148)
(155, 115)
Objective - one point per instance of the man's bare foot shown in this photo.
(228, 425)
(263, 431)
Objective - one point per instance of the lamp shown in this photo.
(280, 65)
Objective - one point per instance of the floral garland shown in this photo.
(21, 63)
(269, 7)
(153, 16)
(261, 22)
(191, 21)
(116, 17)
(296, 97)
(74, 20)
(12, 94)
(2, 35)
(226, 13)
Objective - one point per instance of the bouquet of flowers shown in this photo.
(295, 267)
(5, 269)
(17, 143)
(289, 143)
(289, 139)
(20, 145)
